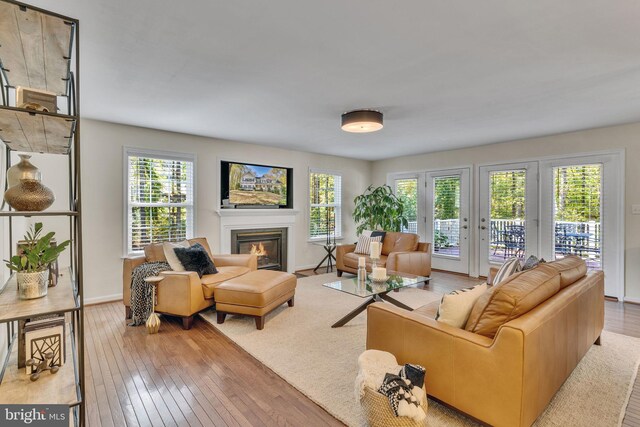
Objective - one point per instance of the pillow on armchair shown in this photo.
(195, 258)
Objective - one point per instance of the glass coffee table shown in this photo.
(373, 291)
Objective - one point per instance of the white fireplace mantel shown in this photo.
(246, 219)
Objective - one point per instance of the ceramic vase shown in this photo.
(153, 323)
(32, 285)
(22, 170)
(29, 195)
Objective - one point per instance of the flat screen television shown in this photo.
(250, 185)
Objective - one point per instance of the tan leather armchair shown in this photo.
(507, 380)
(183, 293)
(401, 252)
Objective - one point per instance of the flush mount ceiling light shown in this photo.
(362, 121)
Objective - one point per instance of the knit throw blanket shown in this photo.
(142, 292)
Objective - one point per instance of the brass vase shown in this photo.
(22, 170)
(29, 195)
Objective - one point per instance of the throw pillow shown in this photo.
(170, 255)
(362, 247)
(456, 306)
(195, 258)
(510, 266)
(532, 262)
(379, 233)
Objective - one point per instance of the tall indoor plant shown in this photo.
(32, 263)
(379, 209)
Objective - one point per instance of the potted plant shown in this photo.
(32, 263)
(379, 209)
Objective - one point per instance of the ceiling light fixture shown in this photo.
(362, 121)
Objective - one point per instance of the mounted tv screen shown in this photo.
(256, 185)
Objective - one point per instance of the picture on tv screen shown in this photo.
(257, 185)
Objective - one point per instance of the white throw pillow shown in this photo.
(456, 306)
(510, 267)
(364, 242)
(170, 254)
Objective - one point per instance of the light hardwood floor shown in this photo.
(201, 378)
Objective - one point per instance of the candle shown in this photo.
(362, 261)
(379, 273)
(374, 249)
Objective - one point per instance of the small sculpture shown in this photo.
(42, 365)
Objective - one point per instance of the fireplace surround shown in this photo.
(269, 244)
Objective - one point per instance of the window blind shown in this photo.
(406, 189)
(325, 205)
(160, 200)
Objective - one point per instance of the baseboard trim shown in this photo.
(307, 267)
(632, 300)
(103, 299)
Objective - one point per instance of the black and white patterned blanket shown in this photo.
(142, 292)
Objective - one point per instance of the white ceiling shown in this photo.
(446, 74)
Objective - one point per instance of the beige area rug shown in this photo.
(299, 345)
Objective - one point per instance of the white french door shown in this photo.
(447, 222)
(508, 213)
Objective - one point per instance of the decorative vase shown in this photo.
(153, 323)
(32, 285)
(29, 195)
(22, 170)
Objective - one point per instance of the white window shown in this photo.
(159, 198)
(325, 205)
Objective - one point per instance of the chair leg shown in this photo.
(259, 323)
(221, 317)
(339, 272)
(187, 322)
(127, 312)
(290, 302)
(598, 341)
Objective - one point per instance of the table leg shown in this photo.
(395, 302)
(354, 313)
(320, 263)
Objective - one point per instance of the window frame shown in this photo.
(154, 154)
(338, 207)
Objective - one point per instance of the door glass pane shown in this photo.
(446, 215)
(507, 214)
(407, 191)
(577, 220)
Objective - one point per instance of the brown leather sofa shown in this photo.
(184, 294)
(401, 252)
(508, 370)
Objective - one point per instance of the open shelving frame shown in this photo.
(40, 50)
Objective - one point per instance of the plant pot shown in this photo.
(32, 285)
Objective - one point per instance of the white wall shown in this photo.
(102, 192)
(625, 137)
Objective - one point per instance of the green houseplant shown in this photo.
(32, 263)
(379, 209)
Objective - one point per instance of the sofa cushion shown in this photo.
(456, 306)
(196, 258)
(512, 298)
(571, 269)
(203, 242)
(154, 252)
(399, 242)
(255, 289)
(171, 256)
(509, 268)
(350, 259)
(211, 281)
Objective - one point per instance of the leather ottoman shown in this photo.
(254, 294)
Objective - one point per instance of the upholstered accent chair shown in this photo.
(184, 293)
(401, 252)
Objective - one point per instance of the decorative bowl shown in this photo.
(379, 281)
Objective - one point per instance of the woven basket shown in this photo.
(378, 412)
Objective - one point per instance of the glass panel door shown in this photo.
(508, 223)
(577, 208)
(407, 190)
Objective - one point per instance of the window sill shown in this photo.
(322, 239)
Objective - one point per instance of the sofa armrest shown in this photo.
(417, 263)
(240, 260)
(475, 374)
(180, 293)
(340, 252)
(128, 265)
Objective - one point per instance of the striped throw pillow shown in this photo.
(510, 266)
(364, 242)
(455, 307)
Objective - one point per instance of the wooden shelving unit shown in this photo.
(39, 50)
